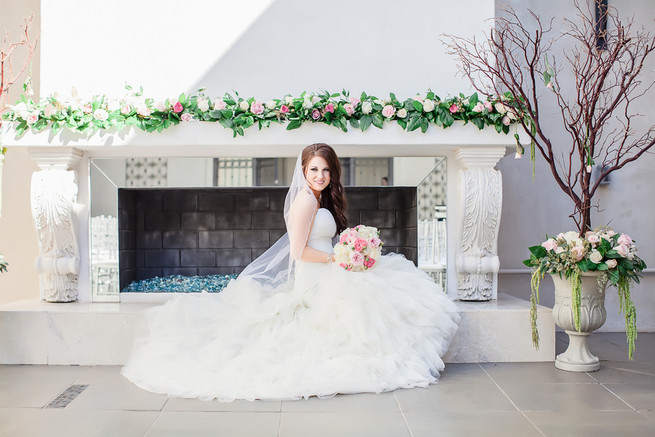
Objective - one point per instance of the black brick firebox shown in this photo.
(205, 231)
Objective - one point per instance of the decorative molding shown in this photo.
(480, 157)
(64, 158)
(477, 258)
(53, 195)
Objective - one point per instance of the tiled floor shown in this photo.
(504, 399)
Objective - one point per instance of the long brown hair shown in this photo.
(333, 197)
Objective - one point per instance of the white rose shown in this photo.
(367, 107)
(340, 253)
(288, 100)
(595, 257)
(100, 114)
(428, 106)
(161, 106)
(270, 104)
(143, 110)
(402, 113)
(500, 108)
(307, 104)
(570, 236)
(113, 105)
(244, 105)
(611, 263)
(203, 105)
(49, 110)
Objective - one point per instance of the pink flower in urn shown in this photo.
(453, 108)
(549, 244)
(611, 263)
(594, 239)
(177, 108)
(578, 253)
(356, 259)
(316, 114)
(360, 244)
(623, 250)
(329, 108)
(624, 239)
(388, 111)
(257, 108)
(186, 116)
(350, 109)
(284, 109)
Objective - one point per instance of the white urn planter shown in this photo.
(577, 357)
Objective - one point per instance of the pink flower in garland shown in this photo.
(454, 108)
(350, 109)
(284, 109)
(186, 116)
(316, 114)
(257, 108)
(177, 108)
(354, 101)
(388, 111)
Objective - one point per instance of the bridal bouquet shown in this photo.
(358, 248)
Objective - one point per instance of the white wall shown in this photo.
(17, 236)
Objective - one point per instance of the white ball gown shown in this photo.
(328, 332)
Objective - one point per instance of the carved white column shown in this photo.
(54, 196)
(481, 197)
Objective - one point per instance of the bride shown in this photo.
(294, 324)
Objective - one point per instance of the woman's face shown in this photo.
(317, 174)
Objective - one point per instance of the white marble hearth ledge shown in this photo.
(83, 333)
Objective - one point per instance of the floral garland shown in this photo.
(236, 113)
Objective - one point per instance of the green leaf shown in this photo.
(294, 124)
(414, 122)
(226, 123)
(365, 122)
(354, 123)
(402, 123)
(378, 121)
(479, 122)
(417, 105)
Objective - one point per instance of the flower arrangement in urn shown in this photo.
(569, 255)
(579, 117)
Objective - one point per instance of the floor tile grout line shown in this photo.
(402, 413)
(617, 396)
(511, 401)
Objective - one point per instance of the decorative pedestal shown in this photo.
(577, 357)
(54, 195)
(481, 194)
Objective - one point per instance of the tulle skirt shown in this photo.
(329, 332)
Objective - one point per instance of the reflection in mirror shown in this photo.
(107, 175)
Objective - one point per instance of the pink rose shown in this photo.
(454, 108)
(284, 109)
(356, 259)
(256, 108)
(578, 253)
(343, 266)
(32, 118)
(506, 121)
(177, 108)
(625, 239)
(593, 239)
(350, 109)
(376, 242)
(388, 111)
(488, 106)
(316, 114)
(360, 244)
(611, 263)
(549, 244)
(479, 107)
(186, 116)
(352, 235)
(219, 104)
(343, 238)
(354, 101)
(623, 250)
(329, 108)
(369, 262)
(88, 109)
(125, 109)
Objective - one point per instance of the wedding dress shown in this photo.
(327, 331)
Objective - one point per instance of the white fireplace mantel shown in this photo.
(474, 187)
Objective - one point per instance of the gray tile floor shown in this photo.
(503, 399)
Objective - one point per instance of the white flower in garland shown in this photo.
(203, 104)
(367, 107)
(100, 114)
(428, 105)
